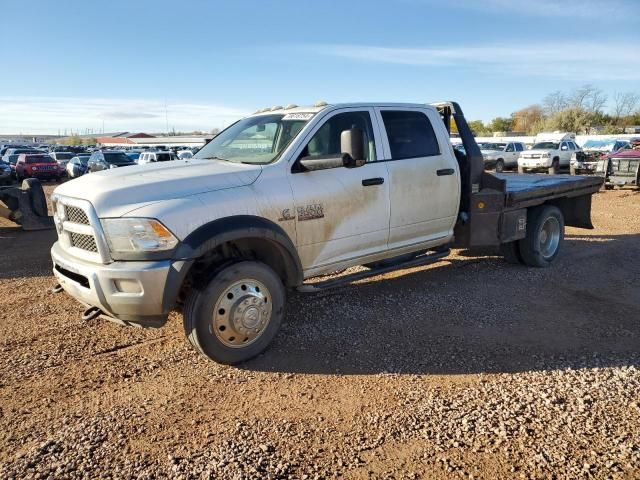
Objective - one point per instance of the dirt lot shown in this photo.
(470, 368)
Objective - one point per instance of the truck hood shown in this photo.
(490, 152)
(625, 154)
(117, 191)
(536, 152)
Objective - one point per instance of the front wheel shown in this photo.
(545, 235)
(500, 165)
(237, 314)
(555, 167)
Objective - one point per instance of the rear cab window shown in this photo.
(410, 134)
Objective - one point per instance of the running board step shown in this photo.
(425, 259)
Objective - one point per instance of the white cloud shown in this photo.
(570, 61)
(603, 10)
(48, 115)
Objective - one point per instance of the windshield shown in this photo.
(117, 158)
(546, 146)
(64, 156)
(256, 140)
(38, 159)
(492, 146)
(599, 144)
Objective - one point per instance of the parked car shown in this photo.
(6, 176)
(501, 155)
(287, 195)
(585, 162)
(6, 147)
(152, 157)
(106, 159)
(184, 154)
(62, 158)
(622, 167)
(40, 165)
(549, 153)
(134, 156)
(77, 166)
(11, 156)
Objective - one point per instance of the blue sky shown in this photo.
(79, 64)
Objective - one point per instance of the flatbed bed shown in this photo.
(523, 190)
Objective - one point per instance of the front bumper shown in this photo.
(621, 180)
(140, 293)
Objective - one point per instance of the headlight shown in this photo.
(130, 235)
(545, 155)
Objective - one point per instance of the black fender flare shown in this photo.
(217, 232)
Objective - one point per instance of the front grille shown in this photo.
(76, 215)
(84, 242)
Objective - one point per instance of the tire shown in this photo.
(215, 317)
(545, 235)
(511, 253)
(38, 199)
(500, 165)
(608, 187)
(555, 167)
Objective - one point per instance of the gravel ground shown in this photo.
(469, 368)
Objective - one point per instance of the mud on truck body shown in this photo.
(288, 194)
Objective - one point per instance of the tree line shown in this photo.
(585, 110)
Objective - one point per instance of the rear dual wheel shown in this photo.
(237, 314)
(545, 236)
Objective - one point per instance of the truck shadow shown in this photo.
(25, 254)
(472, 313)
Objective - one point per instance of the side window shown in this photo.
(571, 146)
(326, 140)
(519, 147)
(510, 148)
(410, 134)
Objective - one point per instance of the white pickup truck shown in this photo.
(549, 153)
(288, 194)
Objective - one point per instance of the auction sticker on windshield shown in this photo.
(298, 116)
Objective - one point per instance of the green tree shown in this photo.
(478, 128)
(501, 124)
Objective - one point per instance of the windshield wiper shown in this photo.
(213, 158)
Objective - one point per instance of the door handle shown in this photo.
(445, 171)
(372, 181)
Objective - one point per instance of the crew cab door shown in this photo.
(424, 179)
(340, 213)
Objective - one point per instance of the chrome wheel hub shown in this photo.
(549, 237)
(242, 313)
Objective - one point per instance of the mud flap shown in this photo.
(576, 211)
(26, 205)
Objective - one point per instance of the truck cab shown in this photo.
(287, 194)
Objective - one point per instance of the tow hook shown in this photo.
(57, 288)
(91, 313)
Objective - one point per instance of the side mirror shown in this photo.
(352, 148)
(352, 143)
(564, 147)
